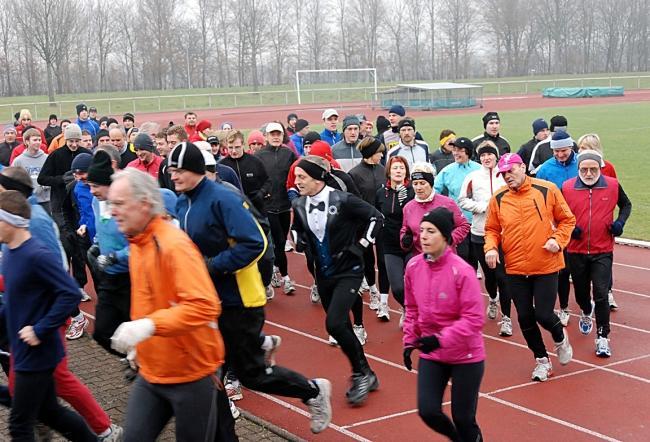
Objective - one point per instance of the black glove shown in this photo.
(407, 240)
(402, 193)
(93, 252)
(407, 358)
(616, 228)
(105, 261)
(577, 233)
(428, 343)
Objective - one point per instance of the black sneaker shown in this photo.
(362, 384)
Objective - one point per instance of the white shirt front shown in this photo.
(317, 219)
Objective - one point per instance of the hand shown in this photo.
(577, 233)
(27, 335)
(94, 251)
(81, 231)
(616, 228)
(552, 245)
(407, 240)
(492, 258)
(407, 358)
(131, 333)
(105, 261)
(427, 344)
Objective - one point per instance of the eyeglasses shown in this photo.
(591, 170)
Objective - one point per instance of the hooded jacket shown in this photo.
(475, 193)
(56, 165)
(557, 172)
(33, 165)
(449, 181)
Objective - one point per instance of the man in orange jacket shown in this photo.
(174, 313)
(531, 222)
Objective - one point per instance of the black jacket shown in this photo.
(339, 180)
(526, 150)
(51, 132)
(347, 215)
(440, 159)
(541, 153)
(368, 178)
(127, 157)
(254, 179)
(502, 143)
(56, 165)
(164, 179)
(388, 204)
(277, 162)
(5, 152)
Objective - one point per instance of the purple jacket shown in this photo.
(443, 298)
(414, 211)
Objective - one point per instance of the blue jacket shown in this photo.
(556, 172)
(88, 125)
(85, 208)
(228, 174)
(297, 142)
(450, 180)
(219, 223)
(110, 239)
(330, 137)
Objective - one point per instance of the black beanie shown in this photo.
(382, 124)
(187, 156)
(100, 169)
(143, 142)
(102, 133)
(559, 121)
(310, 138)
(12, 184)
(81, 107)
(489, 117)
(443, 219)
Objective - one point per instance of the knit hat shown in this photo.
(369, 150)
(292, 116)
(312, 169)
(539, 125)
(100, 169)
(81, 162)
(590, 155)
(102, 133)
(324, 150)
(169, 200)
(406, 122)
(143, 142)
(443, 219)
(489, 117)
(465, 144)
(209, 160)
(72, 132)
(203, 125)
(487, 149)
(9, 128)
(256, 137)
(382, 124)
(187, 156)
(103, 119)
(397, 109)
(128, 116)
(507, 161)
(80, 108)
(311, 138)
(561, 140)
(426, 176)
(559, 122)
(301, 124)
(350, 120)
(329, 113)
(13, 184)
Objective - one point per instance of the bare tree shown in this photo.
(458, 31)
(369, 15)
(7, 38)
(315, 33)
(279, 38)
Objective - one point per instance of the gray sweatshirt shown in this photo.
(33, 165)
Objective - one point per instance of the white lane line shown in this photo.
(302, 412)
(383, 418)
(87, 314)
(631, 266)
(549, 417)
(627, 292)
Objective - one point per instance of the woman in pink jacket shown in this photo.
(444, 319)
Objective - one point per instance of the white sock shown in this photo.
(106, 432)
(79, 317)
(383, 298)
(267, 344)
(286, 277)
(373, 288)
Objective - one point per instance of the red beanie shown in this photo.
(256, 137)
(322, 149)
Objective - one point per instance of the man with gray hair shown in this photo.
(118, 139)
(173, 314)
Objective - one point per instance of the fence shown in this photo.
(333, 94)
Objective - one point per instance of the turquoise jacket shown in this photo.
(450, 180)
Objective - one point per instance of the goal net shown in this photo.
(336, 85)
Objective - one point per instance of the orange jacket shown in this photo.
(521, 222)
(56, 143)
(170, 285)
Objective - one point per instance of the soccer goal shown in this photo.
(336, 85)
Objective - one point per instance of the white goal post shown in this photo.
(371, 71)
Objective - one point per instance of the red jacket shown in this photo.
(594, 211)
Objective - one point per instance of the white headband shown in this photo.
(14, 220)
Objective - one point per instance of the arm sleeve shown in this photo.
(565, 220)
(47, 176)
(467, 202)
(411, 330)
(471, 316)
(439, 183)
(624, 205)
(492, 227)
(462, 226)
(362, 210)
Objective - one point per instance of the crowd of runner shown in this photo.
(185, 230)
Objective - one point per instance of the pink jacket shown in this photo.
(443, 298)
(414, 211)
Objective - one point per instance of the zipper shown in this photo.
(189, 207)
(538, 212)
(589, 225)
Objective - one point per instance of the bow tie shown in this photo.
(320, 206)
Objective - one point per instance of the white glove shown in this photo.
(131, 358)
(129, 334)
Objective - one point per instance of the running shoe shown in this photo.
(269, 355)
(506, 326)
(492, 309)
(320, 407)
(288, 247)
(361, 333)
(543, 370)
(401, 318)
(612, 302)
(116, 434)
(383, 312)
(564, 316)
(331, 341)
(270, 292)
(602, 347)
(313, 295)
(76, 329)
(288, 288)
(276, 279)
(564, 350)
(586, 324)
(85, 297)
(364, 286)
(374, 299)
(479, 275)
(362, 384)
(234, 410)
(233, 390)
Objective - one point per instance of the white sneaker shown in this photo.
(612, 302)
(116, 434)
(364, 286)
(402, 314)
(331, 341)
(543, 370)
(602, 347)
(361, 333)
(506, 326)
(564, 350)
(276, 279)
(479, 275)
(313, 295)
(492, 309)
(269, 355)
(270, 292)
(564, 316)
(383, 313)
(234, 410)
(288, 247)
(320, 407)
(374, 299)
(76, 329)
(288, 288)
(85, 297)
